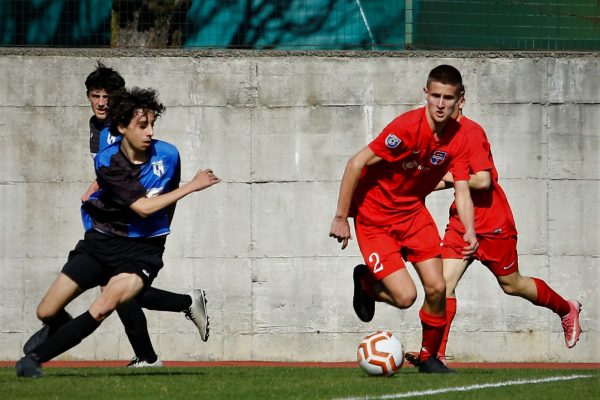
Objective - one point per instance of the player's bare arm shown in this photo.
(466, 213)
(203, 179)
(446, 183)
(481, 180)
(340, 228)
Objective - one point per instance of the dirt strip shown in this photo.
(123, 363)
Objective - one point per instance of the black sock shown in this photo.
(68, 336)
(136, 328)
(54, 323)
(161, 300)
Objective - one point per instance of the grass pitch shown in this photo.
(298, 383)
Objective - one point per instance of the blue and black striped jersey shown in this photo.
(100, 136)
(122, 183)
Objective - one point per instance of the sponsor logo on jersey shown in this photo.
(158, 168)
(414, 164)
(410, 164)
(438, 157)
(392, 141)
(146, 273)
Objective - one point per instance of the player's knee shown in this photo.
(435, 290)
(45, 312)
(404, 300)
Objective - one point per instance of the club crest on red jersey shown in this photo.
(438, 157)
(392, 141)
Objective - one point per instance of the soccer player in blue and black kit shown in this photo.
(99, 84)
(126, 221)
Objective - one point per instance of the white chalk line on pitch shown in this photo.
(468, 388)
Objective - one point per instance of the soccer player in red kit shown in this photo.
(497, 237)
(384, 187)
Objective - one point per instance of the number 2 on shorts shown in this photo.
(377, 265)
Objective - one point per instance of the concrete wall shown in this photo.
(278, 129)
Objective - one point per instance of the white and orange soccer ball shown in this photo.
(380, 354)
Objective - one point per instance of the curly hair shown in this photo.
(123, 103)
(105, 78)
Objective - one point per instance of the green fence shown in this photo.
(497, 25)
(304, 24)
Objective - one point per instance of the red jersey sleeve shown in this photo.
(397, 139)
(460, 163)
(479, 147)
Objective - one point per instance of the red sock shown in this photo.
(450, 313)
(433, 330)
(368, 281)
(546, 297)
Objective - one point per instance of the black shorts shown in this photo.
(99, 256)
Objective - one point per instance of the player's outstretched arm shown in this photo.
(203, 179)
(466, 213)
(340, 228)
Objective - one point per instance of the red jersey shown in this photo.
(492, 211)
(414, 162)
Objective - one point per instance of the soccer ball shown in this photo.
(380, 354)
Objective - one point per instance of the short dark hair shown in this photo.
(105, 78)
(448, 75)
(123, 103)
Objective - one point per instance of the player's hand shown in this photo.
(472, 245)
(340, 230)
(86, 196)
(91, 189)
(204, 178)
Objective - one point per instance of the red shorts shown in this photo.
(499, 254)
(385, 248)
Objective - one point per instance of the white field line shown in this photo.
(468, 388)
